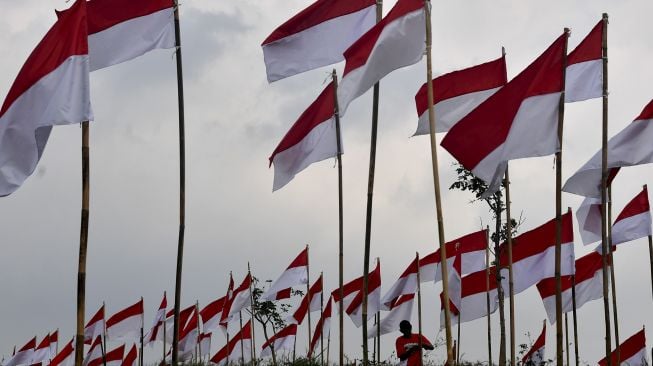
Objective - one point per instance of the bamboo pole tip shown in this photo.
(605, 16)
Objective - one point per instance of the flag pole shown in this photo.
(163, 323)
(487, 293)
(321, 312)
(182, 185)
(615, 314)
(573, 302)
(436, 184)
(419, 311)
(140, 354)
(558, 236)
(83, 243)
(378, 337)
(104, 336)
(242, 345)
(368, 216)
(253, 314)
(511, 285)
(567, 338)
(340, 217)
(308, 300)
(199, 333)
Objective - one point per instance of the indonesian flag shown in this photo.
(471, 248)
(240, 299)
(52, 88)
(42, 351)
(156, 333)
(398, 40)
(400, 309)
(95, 327)
(474, 293)
(311, 302)
(184, 318)
(113, 358)
(322, 329)
(457, 93)
(533, 253)
(284, 294)
(629, 147)
(54, 342)
(120, 30)
(589, 220)
(634, 221)
(584, 76)
(284, 340)
(24, 355)
(454, 285)
(130, 357)
(232, 351)
(405, 285)
(518, 121)
(355, 308)
(317, 36)
(227, 298)
(205, 345)
(536, 354)
(65, 357)
(589, 286)
(311, 138)
(211, 314)
(94, 353)
(189, 335)
(632, 352)
(127, 323)
(296, 274)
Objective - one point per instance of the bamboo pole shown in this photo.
(378, 337)
(164, 334)
(322, 317)
(182, 185)
(558, 246)
(309, 299)
(573, 302)
(436, 184)
(327, 348)
(604, 197)
(370, 193)
(613, 282)
(242, 345)
(511, 286)
(199, 333)
(567, 338)
(650, 254)
(458, 348)
(253, 313)
(83, 244)
(340, 219)
(104, 338)
(419, 311)
(140, 354)
(376, 321)
(487, 294)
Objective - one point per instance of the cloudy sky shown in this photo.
(235, 119)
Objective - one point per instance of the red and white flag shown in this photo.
(518, 121)
(311, 138)
(533, 253)
(65, 357)
(588, 216)
(632, 352)
(584, 75)
(457, 93)
(130, 357)
(24, 355)
(473, 296)
(355, 308)
(322, 329)
(589, 286)
(54, 342)
(156, 332)
(112, 358)
(398, 40)
(284, 340)
(405, 285)
(471, 247)
(311, 302)
(629, 147)
(317, 36)
(189, 336)
(127, 323)
(241, 298)
(284, 294)
(52, 88)
(205, 345)
(400, 309)
(239, 347)
(535, 356)
(454, 283)
(95, 327)
(634, 221)
(184, 317)
(42, 351)
(94, 353)
(120, 30)
(296, 274)
(211, 314)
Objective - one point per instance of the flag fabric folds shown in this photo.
(518, 121)
(121, 30)
(42, 351)
(94, 353)
(634, 221)
(322, 328)
(232, 351)
(310, 302)
(130, 357)
(311, 138)
(239, 300)
(205, 344)
(355, 307)
(471, 248)
(629, 147)
(284, 340)
(112, 358)
(156, 332)
(473, 298)
(398, 40)
(211, 314)
(127, 323)
(317, 36)
(589, 286)
(54, 343)
(24, 354)
(405, 285)
(454, 285)
(95, 327)
(401, 309)
(588, 216)
(457, 93)
(584, 74)
(296, 274)
(65, 357)
(535, 356)
(52, 88)
(632, 352)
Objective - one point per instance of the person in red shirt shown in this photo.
(408, 345)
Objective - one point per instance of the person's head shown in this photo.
(405, 328)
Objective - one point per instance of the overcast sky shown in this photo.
(234, 119)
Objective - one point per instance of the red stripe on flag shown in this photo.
(589, 48)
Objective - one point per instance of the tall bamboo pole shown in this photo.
(613, 282)
(378, 337)
(308, 298)
(182, 185)
(104, 338)
(199, 333)
(140, 354)
(340, 220)
(419, 311)
(83, 243)
(242, 345)
(487, 294)
(436, 184)
(322, 317)
(567, 338)
(650, 254)
(253, 313)
(164, 330)
(511, 286)
(573, 302)
(558, 246)
(370, 193)
(604, 194)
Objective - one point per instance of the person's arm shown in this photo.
(426, 344)
(407, 353)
